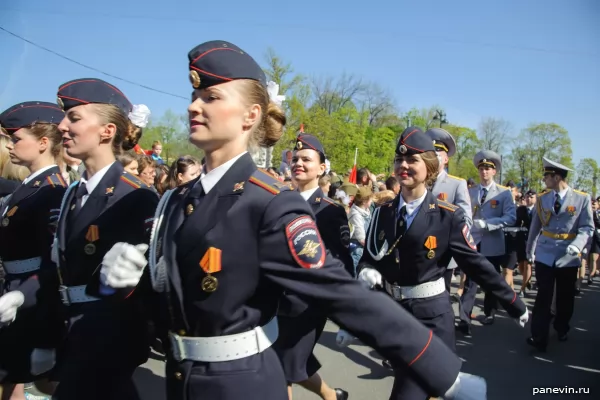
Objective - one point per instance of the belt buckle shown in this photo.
(64, 295)
(397, 292)
(178, 351)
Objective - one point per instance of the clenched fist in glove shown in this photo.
(522, 321)
(481, 224)
(123, 265)
(467, 387)
(370, 277)
(343, 338)
(572, 250)
(9, 303)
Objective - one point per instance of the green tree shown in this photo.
(587, 176)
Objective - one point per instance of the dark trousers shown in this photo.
(467, 300)
(547, 277)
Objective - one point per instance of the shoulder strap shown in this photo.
(267, 182)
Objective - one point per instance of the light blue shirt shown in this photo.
(412, 208)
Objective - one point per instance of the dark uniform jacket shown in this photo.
(26, 231)
(269, 243)
(120, 209)
(407, 264)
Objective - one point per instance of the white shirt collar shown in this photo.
(413, 205)
(488, 187)
(213, 177)
(307, 193)
(37, 173)
(562, 193)
(90, 184)
(530, 207)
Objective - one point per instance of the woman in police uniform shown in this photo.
(300, 326)
(226, 245)
(28, 220)
(411, 237)
(106, 340)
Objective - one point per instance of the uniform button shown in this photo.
(178, 376)
(182, 332)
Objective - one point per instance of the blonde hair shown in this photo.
(433, 165)
(383, 196)
(127, 135)
(324, 180)
(270, 127)
(8, 170)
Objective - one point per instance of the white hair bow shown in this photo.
(273, 91)
(327, 166)
(140, 115)
(342, 196)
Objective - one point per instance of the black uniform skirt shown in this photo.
(436, 314)
(16, 345)
(298, 337)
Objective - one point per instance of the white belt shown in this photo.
(427, 289)
(22, 266)
(224, 348)
(515, 229)
(75, 294)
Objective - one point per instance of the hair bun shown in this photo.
(273, 127)
(132, 137)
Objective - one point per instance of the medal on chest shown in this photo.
(210, 264)
(431, 245)
(10, 213)
(92, 235)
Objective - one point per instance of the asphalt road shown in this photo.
(497, 352)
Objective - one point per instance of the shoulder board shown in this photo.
(457, 177)
(503, 187)
(447, 206)
(580, 192)
(133, 181)
(56, 180)
(331, 201)
(545, 192)
(267, 182)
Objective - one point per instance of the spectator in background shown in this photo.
(392, 184)
(183, 170)
(156, 150)
(360, 218)
(335, 182)
(383, 197)
(325, 183)
(128, 160)
(364, 177)
(286, 161)
(73, 167)
(470, 183)
(160, 181)
(147, 170)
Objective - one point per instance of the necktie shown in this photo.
(557, 204)
(402, 226)
(484, 193)
(81, 191)
(194, 198)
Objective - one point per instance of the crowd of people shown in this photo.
(231, 267)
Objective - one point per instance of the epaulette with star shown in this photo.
(447, 206)
(56, 180)
(331, 201)
(267, 182)
(133, 181)
(580, 192)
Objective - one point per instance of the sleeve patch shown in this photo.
(466, 232)
(345, 235)
(305, 243)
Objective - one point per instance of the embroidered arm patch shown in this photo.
(345, 235)
(468, 237)
(305, 242)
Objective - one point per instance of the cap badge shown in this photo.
(402, 149)
(195, 79)
(298, 145)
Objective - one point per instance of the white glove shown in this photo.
(523, 318)
(467, 387)
(54, 251)
(343, 338)
(479, 223)
(370, 277)
(9, 303)
(42, 360)
(573, 250)
(123, 265)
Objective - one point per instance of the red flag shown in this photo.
(138, 149)
(352, 177)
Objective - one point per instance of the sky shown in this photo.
(525, 61)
